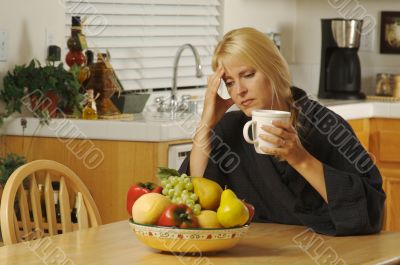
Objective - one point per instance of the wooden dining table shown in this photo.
(264, 243)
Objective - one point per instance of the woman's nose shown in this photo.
(240, 88)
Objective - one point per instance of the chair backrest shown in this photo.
(28, 212)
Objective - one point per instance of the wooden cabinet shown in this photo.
(361, 129)
(381, 137)
(107, 178)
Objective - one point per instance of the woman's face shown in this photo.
(248, 88)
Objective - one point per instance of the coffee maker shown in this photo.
(340, 76)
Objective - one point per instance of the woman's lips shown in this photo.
(247, 102)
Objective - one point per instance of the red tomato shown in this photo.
(178, 215)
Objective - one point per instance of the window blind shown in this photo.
(143, 37)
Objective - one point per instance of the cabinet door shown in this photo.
(393, 204)
(361, 129)
(391, 179)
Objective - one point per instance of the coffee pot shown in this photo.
(340, 75)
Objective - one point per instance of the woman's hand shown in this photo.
(214, 106)
(286, 138)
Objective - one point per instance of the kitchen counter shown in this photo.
(155, 127)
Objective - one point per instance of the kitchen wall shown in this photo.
(307, 43)
(26, 23)
(266, 16)
(298, 21)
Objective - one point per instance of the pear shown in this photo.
(208, 191)
(232, 211)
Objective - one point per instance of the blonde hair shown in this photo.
(255, 49)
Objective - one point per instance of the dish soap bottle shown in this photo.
(90, 110)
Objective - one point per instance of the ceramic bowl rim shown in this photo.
(189, 229)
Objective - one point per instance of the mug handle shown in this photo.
(246, 132)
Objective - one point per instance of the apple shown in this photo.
(149, 207)
(251, 209)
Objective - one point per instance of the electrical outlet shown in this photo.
(367, 41)
(3, 46)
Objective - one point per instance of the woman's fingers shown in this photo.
(279, 132)
(284, 125)
(274, 140)
(281, 152)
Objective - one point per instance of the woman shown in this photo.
(318, 176)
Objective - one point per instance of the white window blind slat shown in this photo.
(143, 37)
(153, 2)
(153, 52)
(117, 20)
(119, 64)
(132, 9)
(147, 73)
(122, 31)
(118, 42)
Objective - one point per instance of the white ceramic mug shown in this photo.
(260, 118)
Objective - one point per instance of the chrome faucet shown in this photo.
(199, 73)
(174, 104)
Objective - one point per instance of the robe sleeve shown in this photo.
(354, 189)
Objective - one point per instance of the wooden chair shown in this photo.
(27, 214)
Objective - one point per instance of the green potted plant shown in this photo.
(8, 164)
(33, 83)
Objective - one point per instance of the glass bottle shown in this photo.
(396, 86)
(76, 43)
(90, 110)
(85, 71)
(383, 85)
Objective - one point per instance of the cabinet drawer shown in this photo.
(389, 146)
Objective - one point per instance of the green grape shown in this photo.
(196, 209)
(171, 192)
(164, 183)
(190, 203)
(177, 193)
(174, 181)
(184, 196)
(168, 185)
(179, 187)
(184, 175)
(165, 191)
(189, 186)
(187, 180)
(194, 197)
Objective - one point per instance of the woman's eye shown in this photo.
(229, 84)
(249, 75)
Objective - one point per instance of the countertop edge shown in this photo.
(162, 131)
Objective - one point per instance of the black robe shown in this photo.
(281, 195)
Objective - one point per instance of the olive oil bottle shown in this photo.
(90, 110)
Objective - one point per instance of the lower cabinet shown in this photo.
(381, 137)
(108, 168)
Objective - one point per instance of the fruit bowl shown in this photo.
(193, 240)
